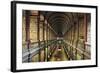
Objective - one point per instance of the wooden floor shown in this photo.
(59, 55)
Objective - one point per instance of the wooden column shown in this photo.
(43, 36)
(38, 34)
(44, 31)
(27, 19)
(85, 32)
(46, 49)
(73, 33)
(50, 42)
(77, 28)
(73, 40)
(85, 27)
(47, 40)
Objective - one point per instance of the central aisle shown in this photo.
(59, 55)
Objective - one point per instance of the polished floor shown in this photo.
(59, 55)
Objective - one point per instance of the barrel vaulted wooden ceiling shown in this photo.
(61, 22)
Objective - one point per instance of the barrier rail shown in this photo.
(70, 54)
(82, 52)
(34, 50)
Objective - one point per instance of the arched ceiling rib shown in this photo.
(60, 21)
